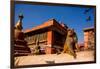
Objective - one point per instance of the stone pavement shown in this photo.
(82, 56)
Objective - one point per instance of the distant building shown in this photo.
(89, 36)
(49, 35)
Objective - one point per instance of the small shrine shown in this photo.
(20, 45)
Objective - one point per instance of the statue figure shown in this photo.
(71, 43)
(37, 48)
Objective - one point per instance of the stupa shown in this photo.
(20, 45)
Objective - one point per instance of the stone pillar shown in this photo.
(48, 48)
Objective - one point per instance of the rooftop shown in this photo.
(50, 22)
(89, 28)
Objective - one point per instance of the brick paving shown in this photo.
(82, 56)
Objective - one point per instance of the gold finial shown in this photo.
(19, 23)
(21, 16)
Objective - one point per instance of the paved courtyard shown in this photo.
(82, 56)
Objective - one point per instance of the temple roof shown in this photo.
(50, 22)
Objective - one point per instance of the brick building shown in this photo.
(50, 35)
(89, 38)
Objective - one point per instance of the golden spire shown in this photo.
(19, 23)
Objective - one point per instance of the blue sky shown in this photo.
(73, 17)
